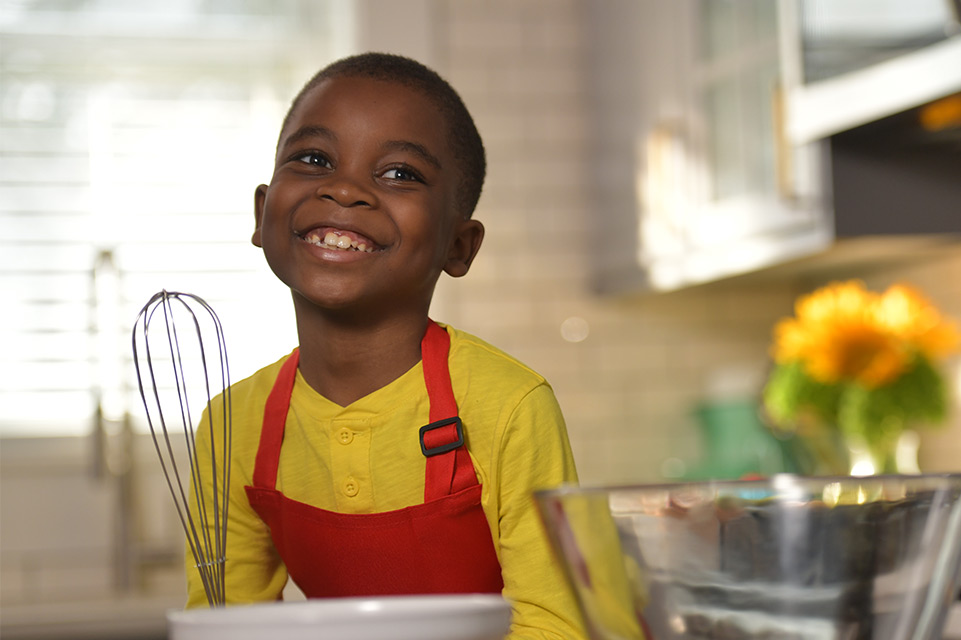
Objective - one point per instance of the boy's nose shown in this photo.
(346, 193)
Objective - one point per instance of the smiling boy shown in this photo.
(388, 454)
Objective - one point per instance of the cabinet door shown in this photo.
(747, 187)
(746, 198)
(694, 175)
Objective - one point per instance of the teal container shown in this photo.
(735, 443)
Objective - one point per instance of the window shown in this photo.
(132, 137)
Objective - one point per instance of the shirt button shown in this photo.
(345, 436)
(351, 487)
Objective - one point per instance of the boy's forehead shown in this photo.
(346, 89)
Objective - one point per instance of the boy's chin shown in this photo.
(356, 308)
(327, 302)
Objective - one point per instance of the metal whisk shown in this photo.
(174, 375)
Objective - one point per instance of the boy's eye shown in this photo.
(316, 159)
(402, 174)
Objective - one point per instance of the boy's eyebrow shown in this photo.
(309, 131)
(415, 148)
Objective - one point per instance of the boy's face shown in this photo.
(360, 211)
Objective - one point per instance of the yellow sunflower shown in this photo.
(905, 313)
(862, 365)
(837, 336)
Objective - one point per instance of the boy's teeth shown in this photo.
(336, 241)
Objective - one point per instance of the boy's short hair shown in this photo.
(463, 137)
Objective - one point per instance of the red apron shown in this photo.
(441, 546)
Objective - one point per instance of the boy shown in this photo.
(378, 169)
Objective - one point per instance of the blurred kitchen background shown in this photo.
(665, 178)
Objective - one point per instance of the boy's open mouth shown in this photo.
(330, 238)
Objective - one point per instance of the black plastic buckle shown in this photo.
(444, 448)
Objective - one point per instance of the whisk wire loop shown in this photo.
(205, 521)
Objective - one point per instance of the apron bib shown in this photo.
(443, 545)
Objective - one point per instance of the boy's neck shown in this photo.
(345, 360)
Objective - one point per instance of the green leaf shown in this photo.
(917, 396)
(790, 392)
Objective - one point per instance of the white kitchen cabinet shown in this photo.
(851, 62)
(718, 189)
(697, 175)
(748, 203)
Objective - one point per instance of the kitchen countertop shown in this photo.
(123, 618)
(145, 619)
(132, 617)
(952, 628)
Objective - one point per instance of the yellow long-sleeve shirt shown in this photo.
(366, 458)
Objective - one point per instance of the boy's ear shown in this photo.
(260, 195)
(467, 241)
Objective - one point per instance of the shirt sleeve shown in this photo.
(534, 453)
(254, 570)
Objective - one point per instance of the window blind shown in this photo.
(132, 137)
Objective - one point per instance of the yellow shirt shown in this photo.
(366, 458)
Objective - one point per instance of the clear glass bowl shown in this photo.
(787, 557)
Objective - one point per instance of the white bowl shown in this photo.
(434, 617)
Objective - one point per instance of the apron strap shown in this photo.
(275, 419)
(449, 467)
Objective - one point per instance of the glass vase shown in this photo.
(897, 453)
